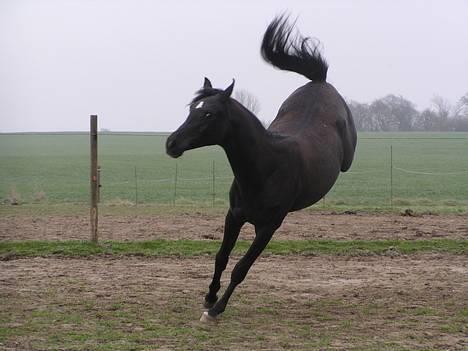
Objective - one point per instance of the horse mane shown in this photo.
(205, 92)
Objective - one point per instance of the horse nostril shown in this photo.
(170, 143)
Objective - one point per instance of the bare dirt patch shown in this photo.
(293, 302)
(297, 226)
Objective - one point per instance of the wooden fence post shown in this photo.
(94, 180)
(98, 183)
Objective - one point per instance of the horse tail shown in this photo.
(293, 53)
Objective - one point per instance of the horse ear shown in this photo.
(207, 83)
(228, 91)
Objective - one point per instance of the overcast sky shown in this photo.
(138, 63)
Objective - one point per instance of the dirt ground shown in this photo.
(414, 302)
(297, 226)
(300, 303)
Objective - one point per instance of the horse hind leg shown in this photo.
(240, 271)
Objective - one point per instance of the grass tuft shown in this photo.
(187, 248)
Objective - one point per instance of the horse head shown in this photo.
(207, 122)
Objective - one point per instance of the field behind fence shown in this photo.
(423, 170)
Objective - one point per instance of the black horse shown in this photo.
(287, 167)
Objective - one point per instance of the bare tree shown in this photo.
(464, 100)
(443, 116)
(442, 106)
(393, 113)
(461, 108)
(362, 116)
(248, 100)
(459, 117)
(427, 121)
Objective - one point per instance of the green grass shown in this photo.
(54, 169)
(187, 248)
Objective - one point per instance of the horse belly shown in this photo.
(312, 194)
(319, 176)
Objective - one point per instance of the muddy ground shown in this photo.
(297, 226)
(294, 302)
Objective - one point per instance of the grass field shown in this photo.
(430, 171)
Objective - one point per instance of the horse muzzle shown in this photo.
(172, 147)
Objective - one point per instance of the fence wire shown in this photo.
(49, 168)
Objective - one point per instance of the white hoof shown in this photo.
(206, 318)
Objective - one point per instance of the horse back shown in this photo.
(316, 116)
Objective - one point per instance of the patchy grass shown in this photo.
(187, 248)
(132, 303)
(116, 324)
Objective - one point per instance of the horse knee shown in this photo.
(221, 261)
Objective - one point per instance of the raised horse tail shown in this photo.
(293, 53)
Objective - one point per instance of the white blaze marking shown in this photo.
(199, 105)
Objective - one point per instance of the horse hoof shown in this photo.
(206, 318)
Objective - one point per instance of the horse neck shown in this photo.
(246, 145)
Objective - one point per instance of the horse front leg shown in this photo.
(232, 228)
(263, 236)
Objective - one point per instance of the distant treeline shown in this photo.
(395, 113)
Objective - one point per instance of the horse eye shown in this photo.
(207, 114)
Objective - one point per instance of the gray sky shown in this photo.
(138, 63)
